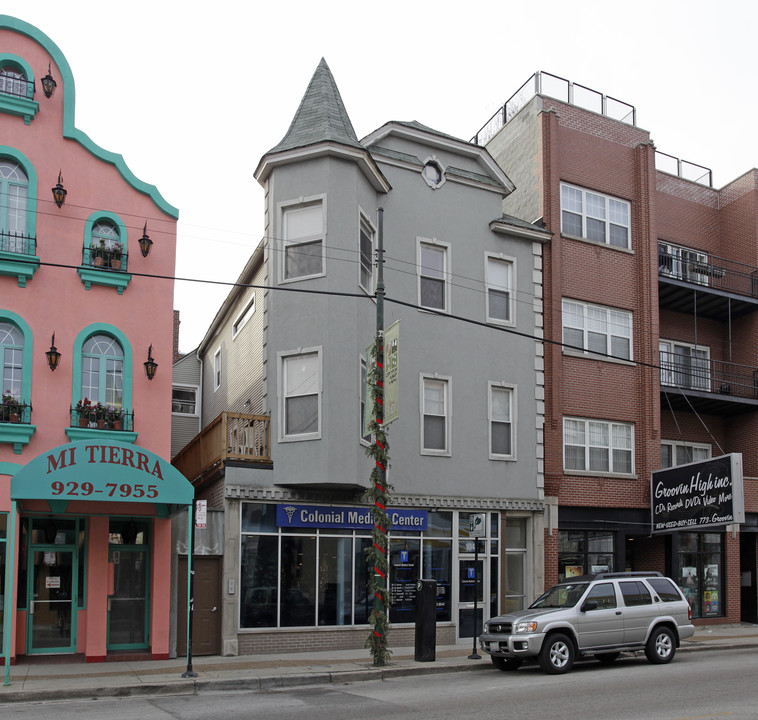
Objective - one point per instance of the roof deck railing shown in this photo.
(544, 83)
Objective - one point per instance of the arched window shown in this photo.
(106, 233)
(17, 87)
(103, 371)
(104, 256)
(14, 195)
(106, 249)
(12, 358)
(16, 347)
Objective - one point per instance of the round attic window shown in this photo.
(432, 173)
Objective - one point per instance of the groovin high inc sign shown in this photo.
(699, 495)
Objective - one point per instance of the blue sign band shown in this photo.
(349, 518)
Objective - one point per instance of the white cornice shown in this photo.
(324, 149)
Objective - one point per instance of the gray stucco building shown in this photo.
(281, 458)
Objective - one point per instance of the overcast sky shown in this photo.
(193, 94)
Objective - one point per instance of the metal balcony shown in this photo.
(707, 386)
(696, 283)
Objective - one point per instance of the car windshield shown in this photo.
(561, 596)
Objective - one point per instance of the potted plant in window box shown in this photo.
(84, 410)
(115, 417)
(97, 253)
(101, 415)
(116, 252)
(11, 408)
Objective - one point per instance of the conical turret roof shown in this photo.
(321, 116)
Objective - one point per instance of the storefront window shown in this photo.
(404, 572)
(292, 576)
(583, 552)
(335, 580)
(298, 604)
(259, 586)
(699, 572)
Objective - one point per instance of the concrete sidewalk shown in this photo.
(39, 681)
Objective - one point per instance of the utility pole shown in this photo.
(379, 491)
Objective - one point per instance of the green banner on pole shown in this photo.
(391, 377)
(367, 392)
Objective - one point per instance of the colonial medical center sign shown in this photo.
(356, 518)
(698, 495)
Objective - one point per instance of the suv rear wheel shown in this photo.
(506, 664)
(557, 654)
(661, 646)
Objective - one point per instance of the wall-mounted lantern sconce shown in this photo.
(48, 84)
(150, 365)
(145, 243)
(53, 356)
(59, 192)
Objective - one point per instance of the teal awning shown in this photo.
(108, 471)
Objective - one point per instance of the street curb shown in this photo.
(268, 683)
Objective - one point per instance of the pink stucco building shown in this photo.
(85, 495)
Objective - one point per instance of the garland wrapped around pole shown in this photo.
(379, 494)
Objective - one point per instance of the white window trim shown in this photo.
(217, 370)
(447, 273)
(282, 356)
(187, 386)
(294, 204)
(674, 444)
(447, 380)
(244, 317)
(364, 220)
(514, 403)
(584, 215)
(500, 257)
(572, 350)
(434, 160)
(598, 473)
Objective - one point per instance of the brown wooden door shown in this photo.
(206, 622)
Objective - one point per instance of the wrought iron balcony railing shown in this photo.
(105, 258)
(11, 84)
(12, 242)
(16, 412)
(102, 418)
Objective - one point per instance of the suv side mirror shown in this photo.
(589, 605)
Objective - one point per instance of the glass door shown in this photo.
(128, 606)
(478, 578)
(471, 584)
(51, 601)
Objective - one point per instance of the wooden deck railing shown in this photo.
(231, 436)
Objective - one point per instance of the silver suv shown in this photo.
(600, 615)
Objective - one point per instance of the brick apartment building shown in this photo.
(651, 322)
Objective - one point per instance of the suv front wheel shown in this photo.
(661, 646)
(557, 654)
